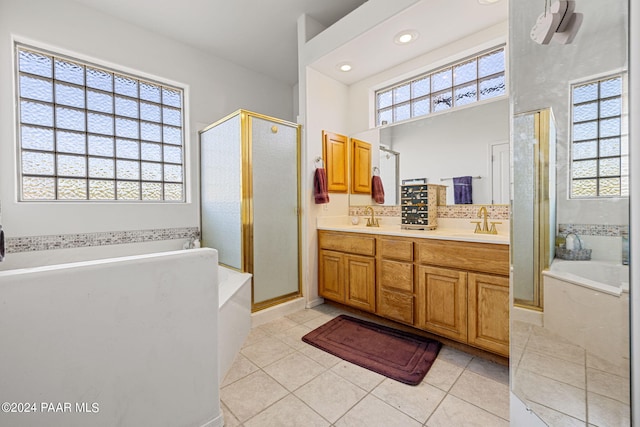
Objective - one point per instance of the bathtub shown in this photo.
(125, 341)
(234, 320)
(587, 303)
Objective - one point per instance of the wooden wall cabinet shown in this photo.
(346, 270)
(336, 156)
(455, 289)
(360, 167)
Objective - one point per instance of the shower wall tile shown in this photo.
(602, 230)
(80, 240)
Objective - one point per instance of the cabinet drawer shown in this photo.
(401, 250)
(348, 242)
(395, 305)
(396, 275)
(483, 257)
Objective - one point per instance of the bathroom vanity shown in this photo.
(448, 282)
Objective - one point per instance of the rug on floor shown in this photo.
(399, 355)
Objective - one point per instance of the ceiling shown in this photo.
(261, 35)
(257, 34)
(438, 23)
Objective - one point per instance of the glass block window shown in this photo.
(472, 80)
(90, 133)
(599, 141)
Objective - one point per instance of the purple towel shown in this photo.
(462, 190)
(377, 190)
(320, 190)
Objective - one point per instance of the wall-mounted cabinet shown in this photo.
(360, 167)
(336, 157)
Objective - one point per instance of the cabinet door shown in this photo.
(489, 312)
(331, 275)
(442, 302)
(334, 152)
(360, 280)
(360, 167)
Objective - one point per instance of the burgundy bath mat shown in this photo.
(395, 354)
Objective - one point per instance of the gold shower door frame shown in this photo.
(247, 205)
(542, 252)
(246, 201)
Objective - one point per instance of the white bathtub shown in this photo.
(234, 320)
(132, 340)
(587, 303)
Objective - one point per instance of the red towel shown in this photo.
(377, 190)
(320, 186)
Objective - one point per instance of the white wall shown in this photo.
(542, 75)
(216, 88)
(326, 109)
(137, 336)
(439, 146)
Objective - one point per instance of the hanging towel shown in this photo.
(377, 190)
(1, 243)
(320, 186)
(462, 190)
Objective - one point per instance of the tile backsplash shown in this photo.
(448, 211)
(80, 240)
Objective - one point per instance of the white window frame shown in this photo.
(623, 155)
(433, 71)
(57, 53)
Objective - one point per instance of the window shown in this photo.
(469, 81)
(90, 133)
(599, 144)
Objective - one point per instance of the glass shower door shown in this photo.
(274, 210)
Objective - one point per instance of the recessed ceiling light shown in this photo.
(344, 66)
(406, 36)
(488, 1)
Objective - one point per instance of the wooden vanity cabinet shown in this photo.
(463, 292)
(442, 302)
(394, 290)
(455, 289)
(488, 308)
(346, 270)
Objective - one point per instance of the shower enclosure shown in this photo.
(250, 201)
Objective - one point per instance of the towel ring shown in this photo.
(319, 160)
(376, 171)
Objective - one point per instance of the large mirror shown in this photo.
(438, 148)
(570, 346)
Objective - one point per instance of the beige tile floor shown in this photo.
(566, 385)
(278, 380)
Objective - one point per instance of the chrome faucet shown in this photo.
(372, 221)
(482, 213)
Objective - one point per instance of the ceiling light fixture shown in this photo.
(344, 66)
(488, 1)
(406, 36)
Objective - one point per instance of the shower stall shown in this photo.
(250, 201)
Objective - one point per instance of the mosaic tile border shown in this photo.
(449, 211)
(83, 240)
(471, 211)
(601, 230)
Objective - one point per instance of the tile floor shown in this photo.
(278, 380)
(566, 385)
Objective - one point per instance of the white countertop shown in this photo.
(460, 230)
